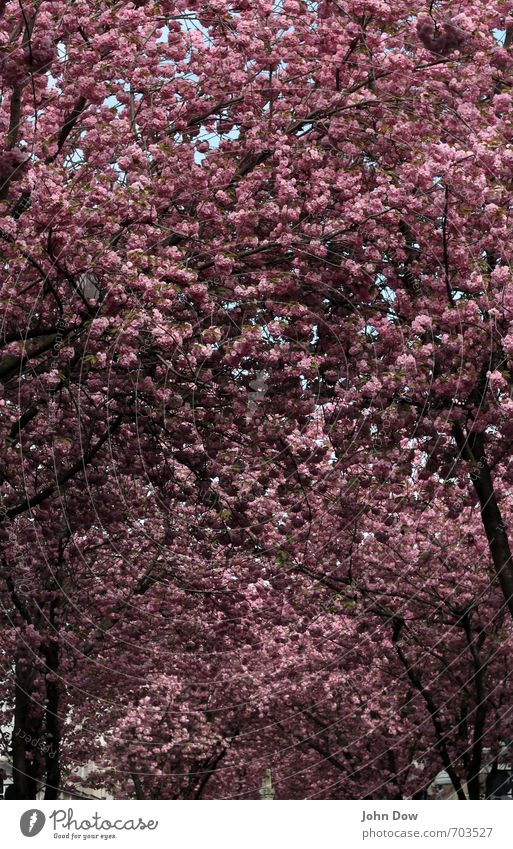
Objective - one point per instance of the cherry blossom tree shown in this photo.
(256, 387)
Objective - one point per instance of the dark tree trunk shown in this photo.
(441, 736)
(476, 752)
(24, 778)
(471, 448)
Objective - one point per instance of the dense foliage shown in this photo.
(256, 394)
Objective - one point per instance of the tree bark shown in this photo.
(476, 751)
(471, 448)
(24, 780)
